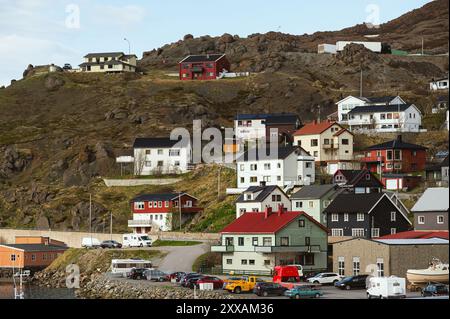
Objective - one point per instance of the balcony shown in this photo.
(140, 223)
(331, 146)
(222, 249)
(287, 249)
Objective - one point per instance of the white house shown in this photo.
(350, 102)
(256, 199)
(110, 62)
(385, 118)
(154, 156)
(439, 84)
(290, 167)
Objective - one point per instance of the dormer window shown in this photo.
(249, 197)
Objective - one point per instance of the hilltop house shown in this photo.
(365, 215)
(313, 200)
(153, 156)
(395, 156)
(328, 142)
(203, 67)
(438, 173)
(350, 102)
(161, 212)
(385, 118)
(358, 181)
(256, 243)
(110, 62)
(292, 166)
(253, 127)
(439, 84)
(256, 199)
(431, 211)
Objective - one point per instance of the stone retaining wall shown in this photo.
(140, 182)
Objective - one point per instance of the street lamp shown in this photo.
(129, 45)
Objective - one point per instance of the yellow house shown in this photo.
(111, 62)
(326, 141)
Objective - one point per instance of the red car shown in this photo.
(286, 274)
(217, 282)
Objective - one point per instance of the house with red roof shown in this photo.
(329, 142)
(257, 242)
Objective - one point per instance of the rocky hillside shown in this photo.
(60, 132)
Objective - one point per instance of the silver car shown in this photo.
(156, 275)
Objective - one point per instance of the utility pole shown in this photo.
(90, 216)
(361, 83)
(111, 226)
(218, 183)
(129, 45)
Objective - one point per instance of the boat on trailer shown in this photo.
(437, 272)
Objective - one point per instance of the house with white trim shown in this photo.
(110, 62)
(439, 84)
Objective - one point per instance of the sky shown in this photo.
(62, 31)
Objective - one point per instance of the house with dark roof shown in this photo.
(358, 181)
(109, 62)
(283, 166)
(161, 212)
(203, 67)
(256, 243)
(249, 128)
(313, 200)
(385, 118)
(437, 174)
(330, 144)
(365, 215)
(30, 253)
(349, 103)
(256, 199)
(155, 156)
(395, 157)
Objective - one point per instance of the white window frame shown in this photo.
(360, 217)
(358, 232)
(393, 216)
(375, 232)
(139, 205)
(380, 267)
(346, 217)
(356, 266)
(421, 220)
(440, 222)
(334, 217)
(337, 232)
(393, 231)
(341, 266)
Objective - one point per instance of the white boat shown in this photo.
(437, 272)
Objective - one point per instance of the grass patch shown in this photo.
(175, 243)
(207, 260)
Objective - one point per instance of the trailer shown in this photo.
(386, 288)
(373, 46)
(326, 48)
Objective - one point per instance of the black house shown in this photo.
(358, 181)
(365, 215)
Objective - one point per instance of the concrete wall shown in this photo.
(140, 182)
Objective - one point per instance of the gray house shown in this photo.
(431, 211)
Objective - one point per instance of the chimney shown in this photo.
(267, 212)
(263, 184)
(280, 209)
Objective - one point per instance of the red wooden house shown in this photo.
(203, 67)
(395, 157)
(158, 212)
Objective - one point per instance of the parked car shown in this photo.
(217, 282)
(191, 282)
(137, 274)
(303, 292)
(67, 66)
(433, 290)
(300, 270)
(325, 278)
(186, 277)
(286, 274)
(89, 242)
(156, 275)
(265, 289)
(176, 275)
(110, 244)
(352, 282)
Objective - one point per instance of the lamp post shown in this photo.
(129, 45)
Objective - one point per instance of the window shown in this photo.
(393, 231)
(267, 262)
(397, 155)
(13, 257)
(358, 232)
(326, 141)
(440, 220)
(334, 217)
(148, 164)
(345, 141)
(421, 220)
(307, 241)
(242, 180)
(174, 152)
(242, 167)
(380, 267)
(311, 204)
(276, 198)
(156, 217)
(33, 257)
(255, 241)
(177, 163)
(148, 152)
(241, 241)
(255, 210)
(251, 262)
(309, 259)
(139, 205)
(229, 261)
(316, 154)
(160, 204)
(301, 223)
(253, 179)
(244, 262)
(389, 155)
(284, 241)
(267, 166)
(267, 241)
(341, 266)
(279, 165)
(253, 167)
(160, 163)
(309, 165)
(375, 232)
(346, 217)
(393, 216)
(279, 178)
(299, 204)
(314, 143)
(356, 266)
(360, 217)
(337, 232)
(160, 152)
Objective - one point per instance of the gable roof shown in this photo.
(397, 144)
(357, 177)
(161, 142)
(264, 192)
(256, 223)
(414, 234)
(315, 128)
(283, 153)
(433, 200)
(35, 247)
(353, 203)
(271, 118)
(380, 108)
(158, 197)
(104, 54)
(313, 191)
(373, 100)
(349, 174)
(203, 58)
(393, 242)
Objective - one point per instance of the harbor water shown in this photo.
(35, 292)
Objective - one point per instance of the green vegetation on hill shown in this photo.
(174, 243)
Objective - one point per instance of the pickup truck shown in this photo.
(245, 284)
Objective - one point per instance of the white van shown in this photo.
(136, 240)
(386, 288)
(89, 242)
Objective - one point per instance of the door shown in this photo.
(391, 184)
